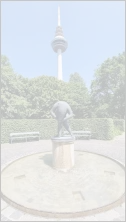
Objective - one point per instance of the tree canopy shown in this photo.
(108, 88)
(76, 78)
(13, 92)
(33, 98)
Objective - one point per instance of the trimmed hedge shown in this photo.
(120, 124)
(47, 128)
(103, 129)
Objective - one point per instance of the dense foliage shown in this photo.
(104, 129)
(13, 92)
(23, 98)
(33, 98)
(75, 77)
(119, 124)
(108, 88)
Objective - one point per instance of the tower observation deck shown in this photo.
(59, 45)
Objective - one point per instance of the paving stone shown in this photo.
(8, 211)
(112, 214)
(3, 204)
(65, 219)
(27, 217)
(69, 219)
(3, 218)
(90, 218)
(101, 217)
(16, 215)
(107, 216)
(120, 210)
(78, 219)
(122, 218)
(2, 215)
(75, 219)
(81, 219)
(123, 205)
(116, 219)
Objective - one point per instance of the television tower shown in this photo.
(59, 45)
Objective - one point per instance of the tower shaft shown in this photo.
(59, 52)
(59, 45)
(59, 64)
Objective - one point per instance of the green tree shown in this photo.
(44, 91)
(13, 92)
(78, 96)
(107, 89)
(76, 78)
(117, 106)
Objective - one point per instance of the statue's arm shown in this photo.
(70, 114)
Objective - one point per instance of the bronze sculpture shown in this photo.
(61, 111)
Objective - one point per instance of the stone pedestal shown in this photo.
(63, 153)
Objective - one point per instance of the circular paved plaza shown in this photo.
(95, 182)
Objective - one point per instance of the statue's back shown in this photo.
(61, 110)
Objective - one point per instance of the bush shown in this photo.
(47, 128)
(117, 132)
(119, 124)
(102, 129)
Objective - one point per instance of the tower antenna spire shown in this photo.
(58, 16)
(59, 45)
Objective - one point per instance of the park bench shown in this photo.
(25, 135)
(80, 134)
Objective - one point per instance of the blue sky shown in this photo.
(94, 31)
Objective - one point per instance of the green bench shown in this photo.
(80, 134)
(25, 135)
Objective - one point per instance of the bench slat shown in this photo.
(23, 133)
(79, 134)
(24, 136)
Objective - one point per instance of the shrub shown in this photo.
(102, 129)
(119, 124)
(117, 132)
